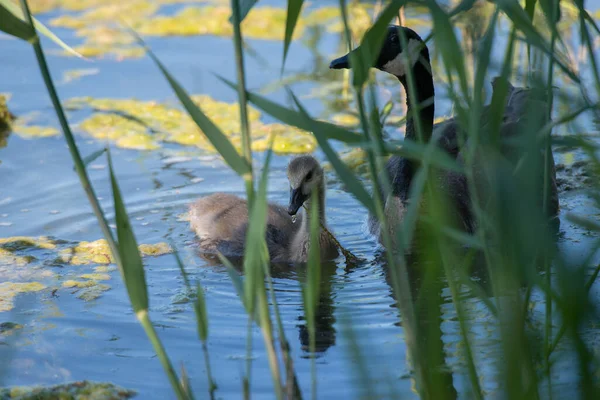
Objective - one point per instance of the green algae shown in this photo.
(8, 328)
(98, 252)
(148, 125)
(96, 277)
(9, 290)
(88, 289)
(76, 74)
(6, 118)
(86, 285)
(80, 390)
(266, 23)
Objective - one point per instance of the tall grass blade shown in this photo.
(68, 135)
(201, 314)
(312, 289)
(294, 118)
(245, 7)
(293, 12)
(131, 266)
(256, 257)
(446, 41)
(521, 21)
(11, 7)
(87, 160)
(216, 137)
(237, 16)
(14, 26)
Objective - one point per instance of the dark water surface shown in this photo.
(65, 338)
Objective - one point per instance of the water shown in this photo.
(65, 338)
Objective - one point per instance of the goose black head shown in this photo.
(392, 56)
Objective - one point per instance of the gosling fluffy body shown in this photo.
(221, 220)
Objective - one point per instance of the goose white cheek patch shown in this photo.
(397, 66)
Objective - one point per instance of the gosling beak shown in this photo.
(297, 198)
(339, 63)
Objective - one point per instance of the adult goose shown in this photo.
(400, 170)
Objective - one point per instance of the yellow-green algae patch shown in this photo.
(8, 291)
(89, 289)
(69, 391)
(16, 243)
(6, 118)
(98, 252)
(7, 257)
(8, 328)
(260, 23)
(148, 125)
(75, 74)
(96, 277)
(34, 131)
(78, 284)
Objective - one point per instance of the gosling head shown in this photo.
(305, 175)
(392, 57)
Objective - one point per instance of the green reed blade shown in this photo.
(530, 10)
(68, 135)
(255, 250)
(293, 12)
(447, 42)
(352, 183)
(256, 256)
(245, 7)
(12, 8)
(312, 289)
(521, 21)
(371, 43)
(296, 119)
(14, 26)
(216, 137)
(199, 303)
(238, 283)
(201, 314)
(416, 151)
(87, 160)
(237, 17)
(131, 266)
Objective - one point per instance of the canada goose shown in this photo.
(221, 220)
(400, 170)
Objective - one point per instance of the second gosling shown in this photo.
(221, 220)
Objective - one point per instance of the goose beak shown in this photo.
(297, 198)
(339, 63)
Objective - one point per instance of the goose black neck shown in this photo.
(424, 95)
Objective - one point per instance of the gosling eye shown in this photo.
(308, 176)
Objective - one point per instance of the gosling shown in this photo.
(221, 219)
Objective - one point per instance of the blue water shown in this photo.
(65, 338)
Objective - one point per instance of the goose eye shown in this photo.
(309, 176)
(395, 39)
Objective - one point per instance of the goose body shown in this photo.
(220, 220)
(395, 60)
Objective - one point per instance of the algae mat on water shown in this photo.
(148, 125)
(68, 391)
(29, 264)
(99, 22)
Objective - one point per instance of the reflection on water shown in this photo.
(66, 338)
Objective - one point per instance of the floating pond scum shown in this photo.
(426, 309)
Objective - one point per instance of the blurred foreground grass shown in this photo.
(512, 246)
